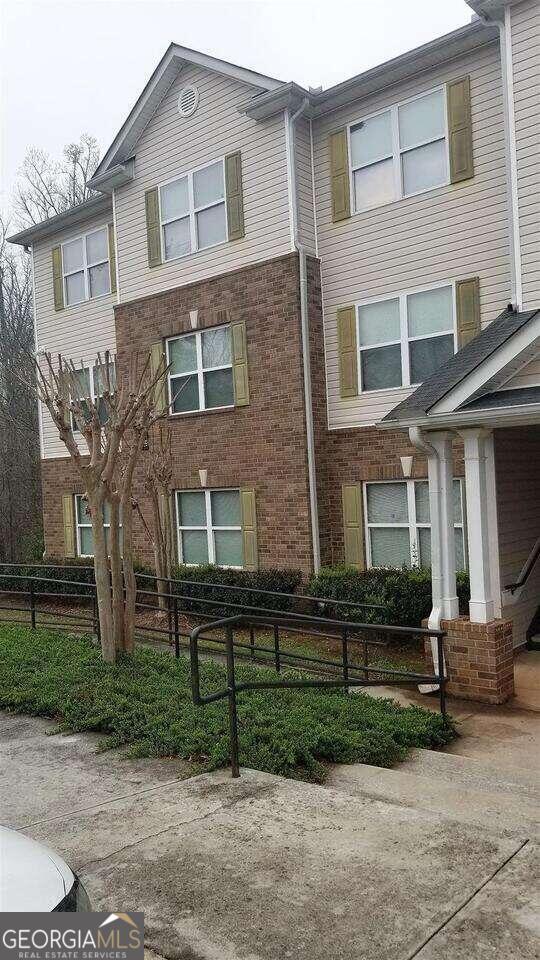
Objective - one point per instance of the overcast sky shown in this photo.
(77, 67)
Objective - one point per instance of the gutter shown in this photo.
(290, 120)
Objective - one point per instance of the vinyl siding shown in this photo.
(528, 376)
(525, 20)
(304, 185)
(172, 145)
(517, 461)
(77, 332)
(448, 233)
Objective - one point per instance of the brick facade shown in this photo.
(479, 659)
(262, 445)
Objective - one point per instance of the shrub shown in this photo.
(404, 594)
(65, 577)
(144, 704)
(188, 582)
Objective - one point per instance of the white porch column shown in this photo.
(442, 502)
(481, 606)
(438, 448)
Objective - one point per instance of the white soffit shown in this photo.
(516, 350)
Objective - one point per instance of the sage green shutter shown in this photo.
(348, 352)
(460, 140)
(58, 280)
(112, 258)
(68, 513)
(353, 525)
(467, 309)
(249, 529)
(160, 391)
(339, 172)
(234, 195)
(153, 229)
(239, 363)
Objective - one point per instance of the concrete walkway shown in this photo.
(264, 868)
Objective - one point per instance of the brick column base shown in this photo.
(479, 659)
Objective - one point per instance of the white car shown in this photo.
(32, 877)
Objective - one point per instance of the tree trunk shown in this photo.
(129, 575)
(116, 575)
(101, 573)
(159, 550)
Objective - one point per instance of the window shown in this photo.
(399, 152)
(402, 340)
(85, 539)
(91, 387)
(200, 375)
(192, 210)
(398, 524)
(85, 265)
(209, 527)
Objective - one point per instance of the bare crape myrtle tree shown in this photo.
(116, 427)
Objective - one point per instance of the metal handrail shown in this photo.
(527, 569)
(233, 688)
(328, 601)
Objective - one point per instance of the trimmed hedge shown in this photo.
(278, 581)
(79, 571)
(405, 594)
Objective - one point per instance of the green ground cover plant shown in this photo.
(144, 704)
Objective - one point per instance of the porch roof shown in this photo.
(465, 363)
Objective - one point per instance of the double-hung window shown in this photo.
(402, 340)
(200, 374)
(399, 152)
(398, 524)
(90, 385)
(85, 266)
(209, 527)
(83, 522)
(193, 212)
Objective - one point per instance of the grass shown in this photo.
(144, 704)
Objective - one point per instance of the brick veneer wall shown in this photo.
(479, 659)
(262, 445)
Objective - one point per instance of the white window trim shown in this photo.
(93, 394)
(85, 269)
(397, 151)
(199, 373)
(209, 527)
(412, 524)
(85, 526)
(192, 212)
(404, 333)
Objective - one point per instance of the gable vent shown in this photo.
(188, 101)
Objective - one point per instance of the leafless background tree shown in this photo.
(45, 188)
(20, 487)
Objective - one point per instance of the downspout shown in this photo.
(290, 121)
(507, 69)
(418, 440)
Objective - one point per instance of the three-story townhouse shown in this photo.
(322, 269)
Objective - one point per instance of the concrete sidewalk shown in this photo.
(264, 868)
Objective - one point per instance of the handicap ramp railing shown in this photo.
(246, 634)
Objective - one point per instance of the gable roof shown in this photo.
(168, 68)
(459, 366)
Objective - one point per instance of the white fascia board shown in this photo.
(159, 83)
(524, 415)
(114, 177)
(524, 338)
